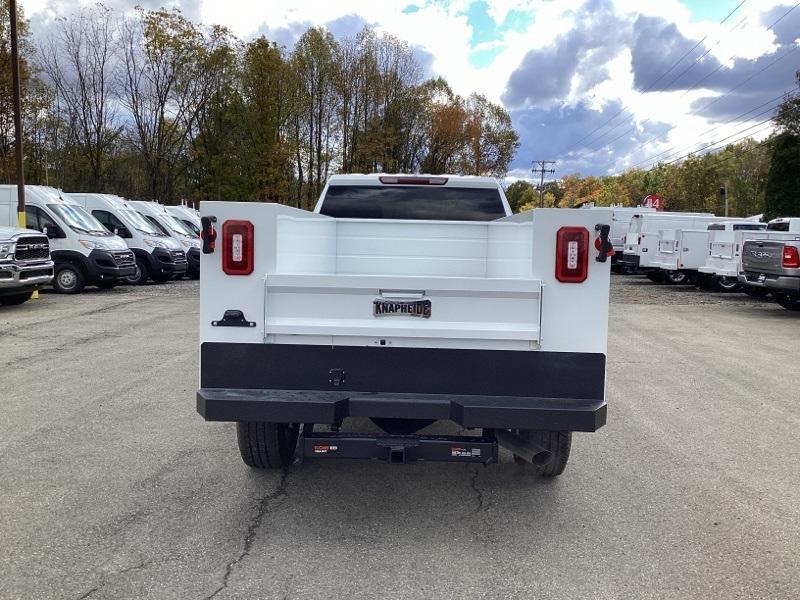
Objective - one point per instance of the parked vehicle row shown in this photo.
(726, 254)
(79, 239)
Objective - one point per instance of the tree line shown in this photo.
(151, 105)
(759, 177)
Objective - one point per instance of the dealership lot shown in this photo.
(111, 486)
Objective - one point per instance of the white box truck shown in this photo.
(407, 300)
(83, 251)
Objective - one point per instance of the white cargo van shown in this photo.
(404, 299)
(154, 250)
(84, 252)
(169, 225)
(188, 216)
(641, 242)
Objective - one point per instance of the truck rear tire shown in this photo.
(15, 299)
(726, 284)
(267, 445)
(787, 301)
(557, 442)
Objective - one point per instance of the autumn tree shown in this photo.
(80, 61)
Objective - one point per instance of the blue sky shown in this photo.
(597, 85)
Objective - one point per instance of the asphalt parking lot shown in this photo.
(111, 485)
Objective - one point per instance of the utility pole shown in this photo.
(542, 169)
(15, 92)
(723, 191)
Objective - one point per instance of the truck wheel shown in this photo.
(755, 292)
(267, 445)
(15, 299)
(786, 301)
(726, 284)
(68, 279)
(141, 275)
(557, 442)
(677, 277)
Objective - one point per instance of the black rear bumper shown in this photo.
(474, 388)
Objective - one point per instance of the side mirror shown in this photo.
(122, 232)
(51, 232)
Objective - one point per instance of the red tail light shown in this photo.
(237, 247)
(572, 254)
(791, 258)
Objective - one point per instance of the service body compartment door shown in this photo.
(452, 312)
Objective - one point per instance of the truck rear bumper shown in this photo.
(474, 388)
(770, 281)
(304, 406)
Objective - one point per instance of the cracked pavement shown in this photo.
(111, 485)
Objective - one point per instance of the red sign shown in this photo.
(653, 201)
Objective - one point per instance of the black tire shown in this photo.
(655, 276)
(107, 285)
(727, 285)
(68, 279)
(787, 301)
(557, 442)
(142, 273)
(15, 299)
(267, 445)
(676, 277)
(755, 292)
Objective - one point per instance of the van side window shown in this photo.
(36, 218)
(716, 227)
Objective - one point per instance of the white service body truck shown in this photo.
(641, 242)
(682, 253)
(724, 258)
(84, 252)
(158, 256)
(621, 217)
(408, 300)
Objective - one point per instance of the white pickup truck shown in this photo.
(407, 300)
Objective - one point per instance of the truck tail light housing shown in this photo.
(572, 254)
(208, 234)
(790, 259)
(237, 247)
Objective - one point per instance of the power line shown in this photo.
(670, 151)
(720, 97)
(653, 84)
(680, 158)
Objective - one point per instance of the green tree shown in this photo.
(521, 193)
(782, 197)
(787, 117)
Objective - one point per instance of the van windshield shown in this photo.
(79, 220)
(177, 227)
(412, 202)
(140, 223)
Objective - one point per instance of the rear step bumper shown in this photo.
(311, 406)
(399, 449)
